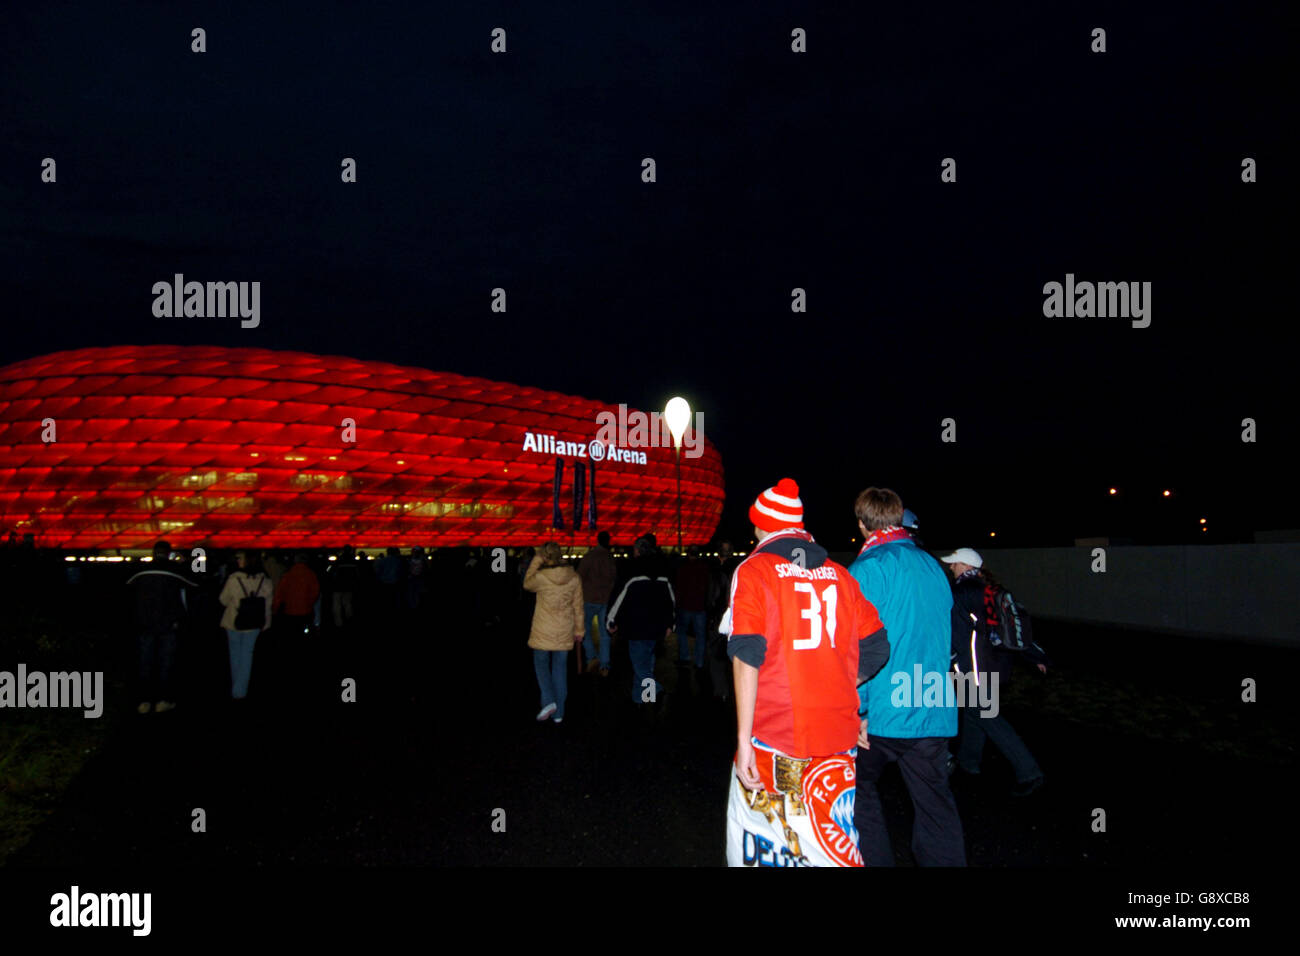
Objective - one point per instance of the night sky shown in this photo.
(775, 170)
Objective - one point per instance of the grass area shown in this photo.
(42, 751)
(40, 755)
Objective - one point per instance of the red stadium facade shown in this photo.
(108, 448)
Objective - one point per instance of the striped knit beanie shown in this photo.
(779, 508)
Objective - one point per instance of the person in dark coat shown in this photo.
(694, 582)
(974, 653)
(642, 614)
(160, 610)
(344, 579)
(598, 572)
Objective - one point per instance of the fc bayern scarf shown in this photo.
(892, 533)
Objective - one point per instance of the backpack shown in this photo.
(1008, 621)
(251, 615)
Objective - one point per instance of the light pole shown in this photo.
(678, 415)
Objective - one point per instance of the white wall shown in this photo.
(1242, 590)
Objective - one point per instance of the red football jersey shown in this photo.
(812, 620)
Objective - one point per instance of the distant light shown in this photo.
(400, 462)
(993, 534)
(1114, 491)
(1202, 521)
(71, 557)
(253, 453)
(677, 415)
(1168, 492)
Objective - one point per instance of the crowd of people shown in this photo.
(301, 598)
(818, 657)
(842, 671)
(837, 671)
(641, 602)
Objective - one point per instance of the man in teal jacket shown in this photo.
(908, 705)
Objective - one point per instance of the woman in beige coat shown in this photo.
(557, 623)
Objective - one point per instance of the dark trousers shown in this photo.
(975, 729)
(293, 624)
(157, 652)
(291, 656)
(936, 832)
(645, 688)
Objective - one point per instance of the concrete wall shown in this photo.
(1247, 591)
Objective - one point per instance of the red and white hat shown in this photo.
(779, 508)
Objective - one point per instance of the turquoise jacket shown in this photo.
(911, 593)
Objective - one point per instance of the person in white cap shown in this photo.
(973, 589)
(801, 636)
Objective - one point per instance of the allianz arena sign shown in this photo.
(595, 450)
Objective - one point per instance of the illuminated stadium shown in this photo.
(115, 448)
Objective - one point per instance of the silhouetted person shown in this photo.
(692, 592)
(972, 611)
(274, 568)
(913, 526)
(389, 572)
(598, 575)
(343, 577)
(525, 600)
(160, 609)
(719, 664)
(295, 599)
(416, 578)
(641, 615)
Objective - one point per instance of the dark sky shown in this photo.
(775, 170)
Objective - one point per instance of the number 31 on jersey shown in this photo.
(813, 614)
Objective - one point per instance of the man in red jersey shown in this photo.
(801, 638)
